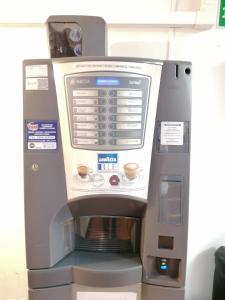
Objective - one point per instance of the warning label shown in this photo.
(172, 133)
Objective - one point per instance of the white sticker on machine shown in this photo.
(37, 71)
(172, 133)
(106, 296)
(36, 84)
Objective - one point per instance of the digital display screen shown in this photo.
(107, 81)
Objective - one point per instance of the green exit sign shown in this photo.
(221, 14)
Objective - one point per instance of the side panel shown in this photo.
(164, 238)
(44, 181)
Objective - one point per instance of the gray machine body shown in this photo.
(56, 269)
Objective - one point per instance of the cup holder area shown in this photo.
(107, 234)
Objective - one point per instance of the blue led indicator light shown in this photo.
(107, 81)
(163, 267)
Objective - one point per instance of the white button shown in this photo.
(129, 118)
(129, 110)
(85, 110)
(128, 142)
(131, 93)
(129, 102)
(90, 134)
(85, 125)
(91, 93)
(85, 141)
(85, 101)
(129, 126)
(85, 118)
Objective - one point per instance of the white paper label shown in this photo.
(85, 110)
(83, 118)
(86, 134)
(129, 110)
(106, 296)
(85, 126)
(129, 101)
(129, 118)
(86, 141)
(89, 93)
(85, 101)
(172, 133)
(42, 145)
(36, 83)
(128, 142)
(37, 71)
(128, 126)
(129, 93)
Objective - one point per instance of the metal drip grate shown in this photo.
(107, 233)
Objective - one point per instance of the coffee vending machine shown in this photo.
(106, 177)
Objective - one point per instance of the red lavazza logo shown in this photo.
(32, 126)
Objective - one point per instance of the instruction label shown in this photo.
(36, 77)
(106, 296)
(37, 71)
(172, 133)
(41, 135)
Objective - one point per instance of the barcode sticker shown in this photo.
(36, 83)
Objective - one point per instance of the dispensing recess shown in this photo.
(107, 233)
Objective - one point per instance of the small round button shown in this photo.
(101, 93)
(101, 142)
(101, 101)
(112, 142)
(112, 118)
(113, 133)
(112, 101)
(101, 126)
(101, 133)
(112, 93)
(112, 126)
(101, 110)
(112, 110)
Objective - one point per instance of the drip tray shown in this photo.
(90, 269)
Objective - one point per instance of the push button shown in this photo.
(112, 93)
(101, 93)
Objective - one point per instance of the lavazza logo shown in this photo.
(107, 158)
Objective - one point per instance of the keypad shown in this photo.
(107, 117)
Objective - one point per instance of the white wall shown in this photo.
(207, 223)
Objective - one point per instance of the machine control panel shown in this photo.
(107, 111)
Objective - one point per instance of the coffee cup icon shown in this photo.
(131, 170)
(83, 171)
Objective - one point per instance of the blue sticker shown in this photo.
(108, 162)
(41, 135)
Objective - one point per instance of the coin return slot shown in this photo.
(163, 270)
(165, 242)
